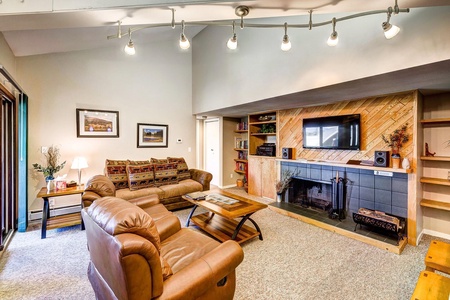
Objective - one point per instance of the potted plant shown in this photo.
(395, 140)
(53, 166)
(283, 184)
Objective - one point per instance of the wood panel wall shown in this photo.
(379, 115)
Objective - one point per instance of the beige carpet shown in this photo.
(295, 261)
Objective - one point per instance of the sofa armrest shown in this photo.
(204, 273)
(203, 177)
(98, 186)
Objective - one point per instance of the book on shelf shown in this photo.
(196, 196)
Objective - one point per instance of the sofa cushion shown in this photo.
(159, 160)
(186, 246)
(116, 170)
(127, 194)
(165, 174)
(140, 176)
(183, 170)
(183, 187)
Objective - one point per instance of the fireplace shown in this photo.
(328, 196)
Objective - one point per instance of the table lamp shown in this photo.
(79, 163)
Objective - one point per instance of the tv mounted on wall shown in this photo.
(335, 132)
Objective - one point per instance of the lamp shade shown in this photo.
(79, 162)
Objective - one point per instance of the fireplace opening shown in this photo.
(328, 196)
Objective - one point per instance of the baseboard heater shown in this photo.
(37, 214)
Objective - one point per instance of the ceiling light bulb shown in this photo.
(184, 42)
(390, 30)
(333, 39)
(129, 48)
(232, 42)
(286, 44)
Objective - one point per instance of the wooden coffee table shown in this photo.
(220, 221)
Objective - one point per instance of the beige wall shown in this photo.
(260, 70)
(7, 58)
(152, 87)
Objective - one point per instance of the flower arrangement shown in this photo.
(52, 158)
(283, 184)
(396, 139)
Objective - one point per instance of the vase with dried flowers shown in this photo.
(52, 159)
(396, 139)
(283, 184)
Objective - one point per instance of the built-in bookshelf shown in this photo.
(241, 146)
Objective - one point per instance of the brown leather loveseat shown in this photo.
(129, 259)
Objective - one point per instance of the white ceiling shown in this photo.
(35, 27)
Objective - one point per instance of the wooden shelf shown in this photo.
(240, 160)
(263, 122)
(240, 171)
(64, 221)
(436, 121)
(240, 149)
(437, 181)
(263, 134)
(435, 158)
(241, 131)
(435, 204)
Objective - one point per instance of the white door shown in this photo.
(212, 149)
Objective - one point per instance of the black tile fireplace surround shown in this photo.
(364, 188)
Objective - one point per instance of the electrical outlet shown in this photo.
(51, 201)
(44, 150)
(231, 175)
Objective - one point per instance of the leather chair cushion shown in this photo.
(184, 187)
(183, 169)
(186, 246)
(100, 185)
(116, 216)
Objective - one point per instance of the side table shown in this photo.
(60, 221)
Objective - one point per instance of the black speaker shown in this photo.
(381, 159)
(286, 153)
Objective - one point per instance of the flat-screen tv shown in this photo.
(335, 132)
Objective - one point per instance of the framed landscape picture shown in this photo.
(97, 123)
(152, 135)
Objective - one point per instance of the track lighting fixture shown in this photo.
(333, 39)
(129, 48)
(389, 30)
(232, 42)
(242, 11)
(184, 42)
(286, 43)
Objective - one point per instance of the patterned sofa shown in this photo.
(168, 178)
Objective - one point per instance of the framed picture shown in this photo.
(152, 135)
(97, 123)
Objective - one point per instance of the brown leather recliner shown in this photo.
(129, 260)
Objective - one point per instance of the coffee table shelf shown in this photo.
(222, 228)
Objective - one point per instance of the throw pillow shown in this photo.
(165, 174)
(116, 170)
(183, 170)
(159, 160)
(140, 176)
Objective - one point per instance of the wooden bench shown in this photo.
(438, 257)
(431, 286)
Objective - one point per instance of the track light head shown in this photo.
(129, 48)
(184, 42)
(286, 43)
(232, 41)
(389, 30)
(333, 39)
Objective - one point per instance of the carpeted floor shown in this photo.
(295, 261)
